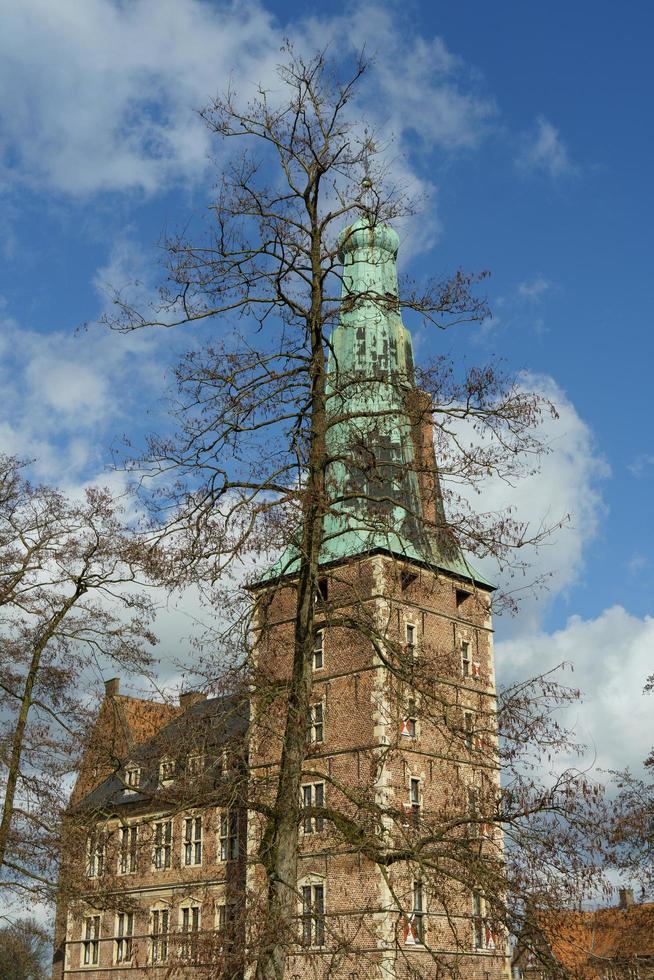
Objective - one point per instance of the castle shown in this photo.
(401, 854)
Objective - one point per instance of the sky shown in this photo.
(526, 130)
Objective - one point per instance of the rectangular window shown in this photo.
(225, 924)
(313, 915)
(313, 795)
(478, 920)
(229, 836)
(159, 936)
(163, 844)
(190, 931)
(322, 592)
(124, 933)
(468, 729)
(193, 840)
(466, 659)
(128, 850)
(414, 801)
(195, 765)
(133, 777)
(409, 726)
(410, 641)
(418, 913)
(316, 722)
(91, 941)
(472, 794)
(166, 770)
(95, 855)
(319, 650)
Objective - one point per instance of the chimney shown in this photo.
(188, 698)
(112, 687)
(626, 897)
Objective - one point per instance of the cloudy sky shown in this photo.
(526, 129)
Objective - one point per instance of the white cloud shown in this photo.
(544, 151)
(612, 656)
(567, 483)
(534, 288)
(102, 96)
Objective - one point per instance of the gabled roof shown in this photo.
(205, 726)
(581, 942)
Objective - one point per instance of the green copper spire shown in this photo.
(382, 478)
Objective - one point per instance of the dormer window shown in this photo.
(195, 764)
(133, 777)
(166, 770)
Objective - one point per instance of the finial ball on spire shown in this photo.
(362, 235)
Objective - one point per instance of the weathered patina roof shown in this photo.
(378, 502)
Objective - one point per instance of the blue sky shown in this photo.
(526, 127)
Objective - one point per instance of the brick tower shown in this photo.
(399, 852)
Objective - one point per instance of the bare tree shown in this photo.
(289, 441)
(68, 609)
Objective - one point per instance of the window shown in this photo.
(95, 855)
(461, 596)
(478, 920)
(413, 806)
(410, 640)
(316, 722)
(163, 844)
(322, 592)
(483, 934)
(195, 764)
(193, 840)
(414, 932)
(409, 725)
(468, 729)
(466, 659)
(225, 925)
(133, 777)
(159, 936)
(313, 795)
(472, 794)
(166, 770)
(313, 915)
(229, 836)
(190, 928)
(124, 933)
(319, 650)
(128, 850)
(91, 940)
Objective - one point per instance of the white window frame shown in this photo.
(128, 843)
(166, 769)
(466, 659)
(482, 934)
(124, 937)
(312, 902)
(413, 807)
(195, 764)
(192, 841)
(159, 936)
(228, 835)
(414, 932)
(313, 794)
(189, 928)
(95, 854)
(132, 777)
(411, 640)
(90, 945)
(469, 729)
(317, 723)
(318, 653)
(409, 726)
(162, 844)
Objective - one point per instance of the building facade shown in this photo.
(400, 871)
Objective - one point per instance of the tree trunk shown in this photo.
(279, 846)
